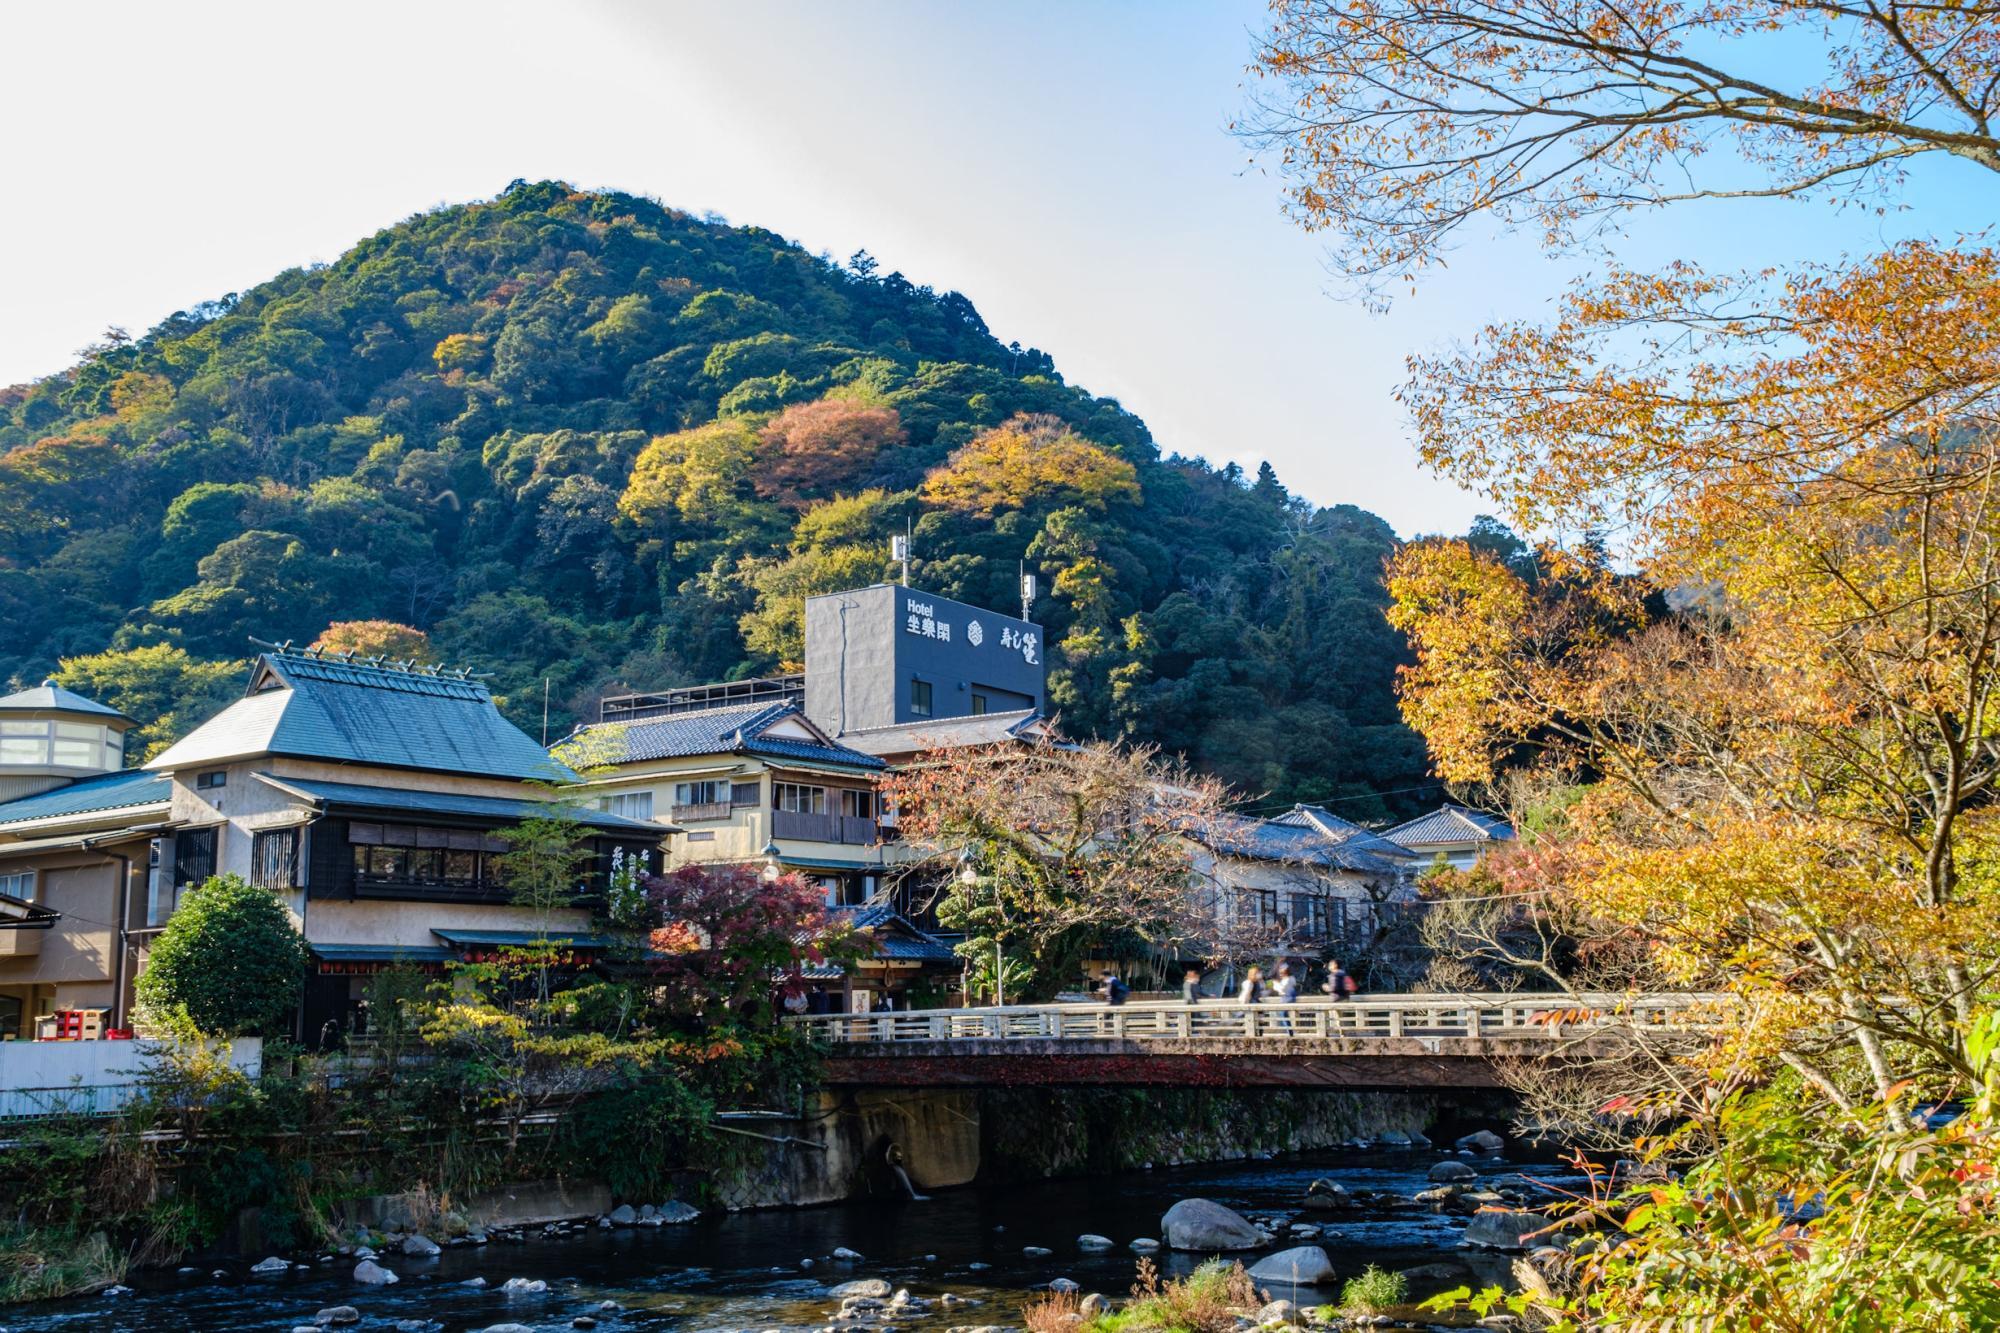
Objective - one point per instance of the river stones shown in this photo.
(506, 1328)
(1503, 1229)
(523, 1286)
(674, 1213)
(624, 1215)
(1091, 1241)
(1302, 1265)
(1448, 1172)
(846, 1255)
(1325, 1196)
(1278, 1312)
(873, 1287)
(1094, 1306)
(420, 1247)
(371, 1274)
(337, 1316)
(1144, 1245)
(271, 1267)
(1203, 1224)
(1482, 1140)
(1036, 1251)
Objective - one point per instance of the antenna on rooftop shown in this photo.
(1028, 590)
(899, 549)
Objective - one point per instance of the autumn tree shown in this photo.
(809, 449)
(376, 638)
(1046, 850)
(1030, 460)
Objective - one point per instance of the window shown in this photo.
(920, 698)
(62, 744)
(211, 780)
(407, 854)
(21, 885)
(711, 792)
(798, 798)
(978, 704)
(274, 858)
(631, 804)
(857, 804)
(1310, 915)
(743, 793)
(194, 856)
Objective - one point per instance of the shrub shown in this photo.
(1374, 1291)
(1053, 1312)
(230, 962)
(1208, 1300)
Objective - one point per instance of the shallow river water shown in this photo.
(743, 1271)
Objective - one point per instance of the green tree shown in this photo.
(230, 962)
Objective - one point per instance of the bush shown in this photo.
(1373, 1292)
(230, 962)
(1208, 1300)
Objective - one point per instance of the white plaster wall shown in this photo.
(376, 921)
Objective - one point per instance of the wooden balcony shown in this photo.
(703, 811)
(852, 830)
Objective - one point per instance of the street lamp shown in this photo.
(771, 867)
(968, 875)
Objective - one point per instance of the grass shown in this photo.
(42, 1265)
(1373, 1292)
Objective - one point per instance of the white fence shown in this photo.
(50, 1078)
(1553, 1017)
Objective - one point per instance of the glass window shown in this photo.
(20, 884)
(630, 804)
(920, 698)
(743, 793)
(210, 780)
(978, 704)
(274, 858)
(194, 856)
(798, 798)
(857, 804)
(78, 745)
(700, 793)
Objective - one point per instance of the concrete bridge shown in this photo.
(1388, 1042)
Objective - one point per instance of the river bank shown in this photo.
(746, 1270)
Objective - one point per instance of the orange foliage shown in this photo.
(1027, 460)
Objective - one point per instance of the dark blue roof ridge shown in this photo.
(114, 791)
(1451, 823)
(370, 673)
(725, 729)
(1298, 843)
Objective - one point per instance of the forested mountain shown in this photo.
(584, 437)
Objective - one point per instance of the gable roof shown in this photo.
(890, 935)
(355, 711)
(353, 796)
(49, 697)
(751, 728)
(948, 733)
(1449, 824)
(1294, 843)
(113, 791)
(1342, 832)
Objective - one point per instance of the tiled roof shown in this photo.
(114, 791)
(944, 733)
(49, 697)
(1297, 844)
(1449, 824)
(1344, 832)
(402, 800)
(354, 712)
(891, 935)
(731, 729)
(505, 939)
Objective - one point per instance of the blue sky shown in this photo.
(1067, 166)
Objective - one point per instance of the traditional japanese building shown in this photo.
(1462, 837)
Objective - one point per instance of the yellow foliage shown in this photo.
(1028, 459)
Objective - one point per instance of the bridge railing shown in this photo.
(1553, 1017)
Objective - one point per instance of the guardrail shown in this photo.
(1552, 1017)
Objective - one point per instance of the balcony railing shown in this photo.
(702, 810)
(854, 830)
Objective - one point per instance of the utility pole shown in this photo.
(545, 712)
(899, 549)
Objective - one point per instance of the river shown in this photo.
(743, 1271)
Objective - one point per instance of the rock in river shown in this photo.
(419, 1247)
(1202, 1224)
(270, 1266)
(1326, 1196)
(1448, 1171)
(873, 1287)
(1482, 1140)
(1303, 1265)
(1504, 1229)
(372, 1274)
(1089, 1241)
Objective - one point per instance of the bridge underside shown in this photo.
(1384, 1064)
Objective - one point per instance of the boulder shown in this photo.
(369, 1273)
(474, 1282)
(1064, 1286)
(1327, 1196)
(270, 1266)
(1418, 1140)
(1504, 1229)
(420, 1247)
(523, 1285)
(873, 1287)
(1088, 1241)
(337, 1316)
(1448, 1171)
(1095, 1306)
(1482, 1140)
(846, 1255)
(1302, 1265)
(1143, 1245)
(1202, 1224)
(622, 1216)
(1036, 1251)
(1279, 1312)
(675, 1213)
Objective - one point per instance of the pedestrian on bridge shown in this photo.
(1115, 990)
(1253, 987)
(1191, 987)
(1338, 984)
(1285, 991)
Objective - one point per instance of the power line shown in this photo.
(1336, 800)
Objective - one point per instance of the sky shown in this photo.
(1069, 167)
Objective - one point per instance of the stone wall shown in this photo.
(838, 1150)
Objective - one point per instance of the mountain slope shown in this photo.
(583, 437)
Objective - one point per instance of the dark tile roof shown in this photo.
(891, 935)
(1344, 832)
(1296, 844)
(731, 729)
(408, 802)
(356, 712)
(1451, 823)
(49, 697)
(114, 791)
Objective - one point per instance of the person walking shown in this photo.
(1285, 991)
(1253, 987)
(1115, 990)
(1191, 987)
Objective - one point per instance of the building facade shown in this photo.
(1458, 836)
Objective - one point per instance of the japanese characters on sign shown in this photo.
(921, 618)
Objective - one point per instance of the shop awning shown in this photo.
(523, 939)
